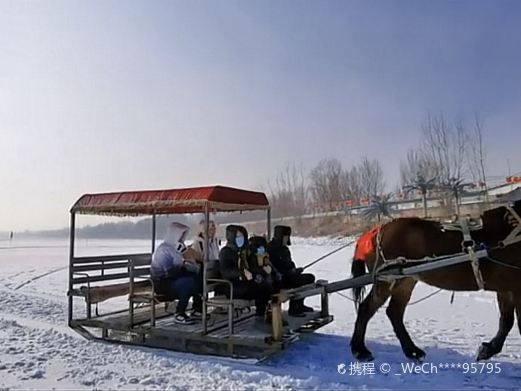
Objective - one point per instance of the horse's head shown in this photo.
(500, 221)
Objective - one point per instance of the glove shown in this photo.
(259, 279)
(248, 275)
(299, 270)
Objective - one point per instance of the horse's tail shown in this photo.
(364, 251)
(358, 268)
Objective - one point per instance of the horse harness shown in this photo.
(468, 246)
(514, 236)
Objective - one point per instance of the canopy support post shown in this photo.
(205, 264)
(268, 219)
(72, 230)
(153, 233)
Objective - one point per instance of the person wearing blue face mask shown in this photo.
(234, 267)
(259, 263)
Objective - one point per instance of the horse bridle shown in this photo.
(468, 244)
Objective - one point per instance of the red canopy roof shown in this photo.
(174, 201)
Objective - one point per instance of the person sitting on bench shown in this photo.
(175, 271)
(292, 276)
(259, 263)
(213, 248)
(233, 265)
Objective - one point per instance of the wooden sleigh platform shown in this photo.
(252, 337)
(231, 328)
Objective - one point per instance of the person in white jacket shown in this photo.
(175, 271)
(213, 248)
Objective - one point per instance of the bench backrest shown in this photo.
(114, 272)
(87, 270)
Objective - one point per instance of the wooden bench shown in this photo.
(130, 275)
(114, 276)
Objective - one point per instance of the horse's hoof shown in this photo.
(363, 355)
(485, 351)
(416, 354)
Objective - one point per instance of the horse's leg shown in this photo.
(517, 301)
(506, 322)
(375, 299)
(400, 296)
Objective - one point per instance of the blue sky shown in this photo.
(116, 95)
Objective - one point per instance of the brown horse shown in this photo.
(414, 238)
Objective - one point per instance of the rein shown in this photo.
(493, 260)
(329, 254)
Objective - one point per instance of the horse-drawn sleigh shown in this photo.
(401, 253)
(148, 318)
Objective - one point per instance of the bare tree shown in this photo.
(371, 177)
(325, 181)
(456, 188)
(458, 154)
(417, 165)
(444, 145)
(477, 155)
(350, 185)
(423, 186)
(288, 192)
(419, 173)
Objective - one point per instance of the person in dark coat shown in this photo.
(233, 265)
(260, 265)
(292, 276)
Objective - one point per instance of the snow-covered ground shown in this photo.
(38, 350)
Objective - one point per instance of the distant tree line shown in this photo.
(141, 229)
(294, 192)
(449, 159)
